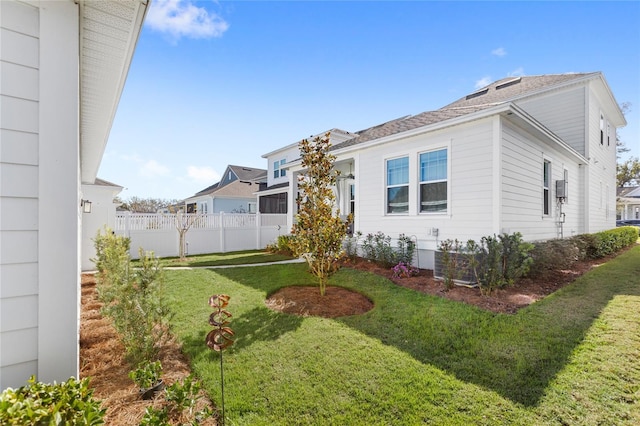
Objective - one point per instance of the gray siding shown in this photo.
(562, 112)
(19, 145)
(522, 193)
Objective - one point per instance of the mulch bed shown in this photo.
(102, 359)
(307, 300)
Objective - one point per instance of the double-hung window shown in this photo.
(278, 169)
(398, 185)
(433, 181)
(546, 185)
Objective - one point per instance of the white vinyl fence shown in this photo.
(212, 233)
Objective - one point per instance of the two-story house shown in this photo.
(531, 154)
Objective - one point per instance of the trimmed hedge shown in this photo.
(562, 253)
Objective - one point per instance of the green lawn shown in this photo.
(418, 359)
(216, 259)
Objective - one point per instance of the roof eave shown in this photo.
(98, 112)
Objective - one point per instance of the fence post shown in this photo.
(127, 223)
(222, 245)
(258, 230)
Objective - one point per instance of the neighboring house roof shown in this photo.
(628, 191)
(245, 183)
(249, 173)
(109, 32)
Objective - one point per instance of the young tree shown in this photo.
(318, 232)
(184, 222)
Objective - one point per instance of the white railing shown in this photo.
(209, 233)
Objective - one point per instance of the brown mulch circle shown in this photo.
(307, 301)
(102, 359)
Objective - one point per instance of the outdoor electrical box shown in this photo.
(561, 189)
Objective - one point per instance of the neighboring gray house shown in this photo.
(628, 203)
(235, 193)
(531, 154)
(63, 65)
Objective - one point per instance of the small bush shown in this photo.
(133, 298)
(556, 254)
(405, 250)
(37, 403)
(377, 248)
(451, 261)
(282, 245)
(351, 245)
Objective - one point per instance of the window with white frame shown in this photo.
(252, 206)
(546, 187)
(433, 181)
(398, 185)
(278, 169)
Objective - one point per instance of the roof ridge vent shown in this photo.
(508, 83)
(477, 94)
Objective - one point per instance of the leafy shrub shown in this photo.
(351, 245)
(37, 403)
(131, 297)
(405, 250)
(612, 241)
(451, 261)
(282, 245)
(112, 257)
(495, 262)
(147, 374)
(377, 248)
(556, 254)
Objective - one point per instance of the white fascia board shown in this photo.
(285, 148)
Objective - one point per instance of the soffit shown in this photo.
(109, 31)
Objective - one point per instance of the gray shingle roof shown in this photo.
(501, 91)
(511, 88)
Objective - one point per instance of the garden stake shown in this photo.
(221, 336)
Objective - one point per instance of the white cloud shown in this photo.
(518, 72)
(203, 174)
(483, 82)
(181, 18)
(500, 51)
(152, 169)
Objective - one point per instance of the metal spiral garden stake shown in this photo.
(220, 337)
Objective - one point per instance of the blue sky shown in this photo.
(219, 83)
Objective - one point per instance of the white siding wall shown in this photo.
(562, 112)
(103, 213)
(471, 199)
(19, 144)
(522, 178)
(289, 154)
(601, 173)
(39, 246)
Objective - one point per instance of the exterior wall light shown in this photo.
(86, 206)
